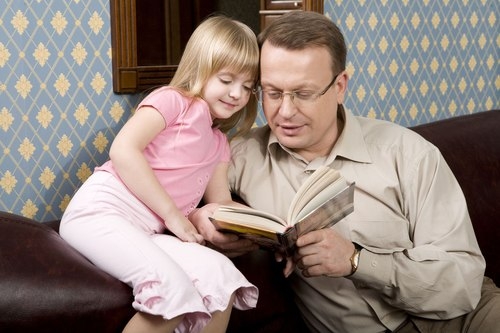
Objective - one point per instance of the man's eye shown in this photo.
(303, 94)
(273, 94)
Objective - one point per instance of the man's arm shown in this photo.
(438, 276)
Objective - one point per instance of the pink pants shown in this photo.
(119, 234)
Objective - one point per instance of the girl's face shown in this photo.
(227, 92)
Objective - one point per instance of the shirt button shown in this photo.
(374, 263)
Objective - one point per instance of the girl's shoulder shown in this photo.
(165, 94)
(170, 102)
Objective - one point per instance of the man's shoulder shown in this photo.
(256, 139)
(381, 135)
(378, 130)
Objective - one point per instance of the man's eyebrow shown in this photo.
(304, 87)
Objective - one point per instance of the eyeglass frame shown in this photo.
(293, 94)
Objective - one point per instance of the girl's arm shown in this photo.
(217, 193)
(217, 190)
(128, 159)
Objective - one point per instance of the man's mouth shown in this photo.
(290, 130)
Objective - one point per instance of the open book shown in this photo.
(321, 201)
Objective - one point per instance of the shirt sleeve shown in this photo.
(167, 101)
(444, 265)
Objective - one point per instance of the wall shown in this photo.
(414, 62)
(410, 61)
(58, 113)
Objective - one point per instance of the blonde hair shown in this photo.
(220, 43)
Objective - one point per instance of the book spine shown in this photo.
(287, 241)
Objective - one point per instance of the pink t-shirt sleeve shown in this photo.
(168, 101)
(171, 104)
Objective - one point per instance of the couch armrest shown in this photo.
(47, 286)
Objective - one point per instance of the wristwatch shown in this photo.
(355, 258)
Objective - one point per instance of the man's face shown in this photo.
(308, 127)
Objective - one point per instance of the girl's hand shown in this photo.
(229, 244)
(184, 230)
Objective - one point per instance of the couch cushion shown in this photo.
(47, 286)
(276, 310)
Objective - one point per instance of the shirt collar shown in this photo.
(350, 145)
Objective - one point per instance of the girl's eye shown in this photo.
(248, 88)
(225, 81)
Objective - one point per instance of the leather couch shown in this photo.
(46, 286)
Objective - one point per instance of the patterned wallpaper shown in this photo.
(411, 62)
(416, 61)
(58, 113)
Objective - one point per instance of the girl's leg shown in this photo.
(112, 229)
(220, 284)
(144, 322)
(220, 319)
(161, 289)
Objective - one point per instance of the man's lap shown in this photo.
(484, 318)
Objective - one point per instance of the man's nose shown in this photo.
(287, 108)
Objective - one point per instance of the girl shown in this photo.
(170, 154)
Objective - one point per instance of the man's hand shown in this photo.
(324, 253)
(229, 244)
(289, 266)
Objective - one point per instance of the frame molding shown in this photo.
(128, 76)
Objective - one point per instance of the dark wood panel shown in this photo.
(271, 9)
(149, 36)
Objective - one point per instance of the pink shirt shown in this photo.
(184, 155)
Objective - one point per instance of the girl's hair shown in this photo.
(299, 30)
(220, 43)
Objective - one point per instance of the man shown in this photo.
(406, 259)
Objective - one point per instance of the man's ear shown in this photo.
(341, 86)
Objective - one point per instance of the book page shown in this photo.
(329, 213)
(324, 195)
(250, 217)
(317, 181)
(243, 229)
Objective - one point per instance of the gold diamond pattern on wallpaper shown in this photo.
(410, 62)
(58, 113)
(419, 61)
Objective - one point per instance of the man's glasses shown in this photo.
(300, 98)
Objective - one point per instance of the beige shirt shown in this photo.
(420, 253)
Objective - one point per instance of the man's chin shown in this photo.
(291, 142)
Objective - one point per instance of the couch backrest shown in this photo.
(471, 146)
